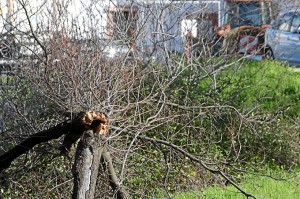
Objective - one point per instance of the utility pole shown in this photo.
(54, 14)
(9, 15)
(6, 63)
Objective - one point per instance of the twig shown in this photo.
(195, 159)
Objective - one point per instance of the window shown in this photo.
(244, 14)
(285, 22)
(295, 27)
(122, 24)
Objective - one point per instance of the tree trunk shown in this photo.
(86, 166)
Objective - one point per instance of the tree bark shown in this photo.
(86, 166)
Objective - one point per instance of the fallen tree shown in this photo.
(92, 128)
(73, 129)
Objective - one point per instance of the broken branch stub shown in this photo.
(96, 121)
(73, 129)
(91, 120)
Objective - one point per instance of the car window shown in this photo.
(275, 24)
(296, 24)
(243, 13)
(285, 22)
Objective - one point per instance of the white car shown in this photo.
(282, 39)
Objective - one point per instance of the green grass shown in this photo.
(266, 85)
(260, 187)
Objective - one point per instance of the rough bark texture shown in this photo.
(86, 166)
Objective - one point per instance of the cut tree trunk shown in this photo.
(86, 166)
(91, 151)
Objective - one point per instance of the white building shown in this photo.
(142, 24)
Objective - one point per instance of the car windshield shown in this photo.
(238, 14)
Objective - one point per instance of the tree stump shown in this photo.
(90, 154)
(86, 166)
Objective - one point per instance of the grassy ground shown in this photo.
(261, 187)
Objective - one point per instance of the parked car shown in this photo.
(282, 38)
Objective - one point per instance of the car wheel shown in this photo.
(269, 54)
